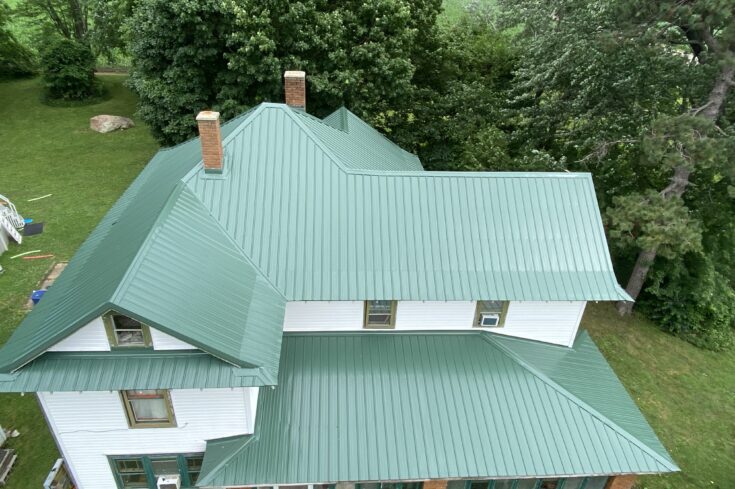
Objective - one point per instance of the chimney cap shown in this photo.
(208, 115)
(294, 74)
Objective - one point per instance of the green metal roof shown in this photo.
(116, 370)
(316, 210)
(319, 229)
(412, 406)
(160, 257)
(358, 145)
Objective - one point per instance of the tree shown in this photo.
(69, 18)
(231, 55)
(709, 28)
(630, 92)
(15, 59)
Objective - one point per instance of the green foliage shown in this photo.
(692, 299)
(234, 53)
(684, 141)
(649, 221)
(68, 71)
(455, 119)
(15, 59)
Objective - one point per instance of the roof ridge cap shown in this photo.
(489, 337)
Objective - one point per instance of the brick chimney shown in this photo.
(295, 87)
(209, 135)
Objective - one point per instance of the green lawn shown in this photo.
(45, 150)
(687, 394)
(454, 9)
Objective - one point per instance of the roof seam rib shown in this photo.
(488, 336)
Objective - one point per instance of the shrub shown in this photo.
(68, 71)
(690, 298)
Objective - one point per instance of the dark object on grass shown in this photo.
(34, 228)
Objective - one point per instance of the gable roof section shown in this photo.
(358, 145)
(410, 406)
(321, 230)
(160, 257)
(599, 387)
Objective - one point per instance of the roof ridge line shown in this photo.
(404, 151)
(146, 243)
(488, 336)
(114, 300)
(232, 241)
(314, 138)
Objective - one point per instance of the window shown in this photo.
(148, 409)
(380, 314)
(490, 314)
(594, 483)
(133, 472)
(549, 484)
(126, 332)
(193, 468)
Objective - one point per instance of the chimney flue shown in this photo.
(295, 88)
(209, 135)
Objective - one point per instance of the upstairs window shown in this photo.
(380, 314)
(125, 332)
(490, 314)
(148, 408)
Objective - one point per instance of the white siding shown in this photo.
(435, 315)
(551, 322)
(163, 341)
(91, 337)
(323, 315)
(91, 425)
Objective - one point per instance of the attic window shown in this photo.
(380, 314)
(126, 332)
(490, 314)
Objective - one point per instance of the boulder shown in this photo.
(109, 123)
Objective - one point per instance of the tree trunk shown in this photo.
(637, 279)
(678, 185)
(718, 94)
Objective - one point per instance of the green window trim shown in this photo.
(134, 423)
(480, 308)
(185, 462)
(112, 332)
(391, 324)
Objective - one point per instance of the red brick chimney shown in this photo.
(295, 87)
(209, 135)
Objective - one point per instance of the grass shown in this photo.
(454, 9)
(51, 150)
(687, 394)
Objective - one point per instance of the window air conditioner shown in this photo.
(169, 482)
(489, 320)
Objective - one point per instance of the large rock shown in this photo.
(109, 123)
